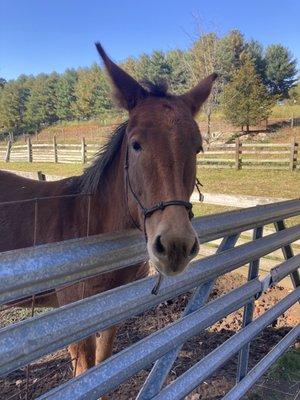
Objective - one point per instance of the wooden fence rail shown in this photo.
(252, 156)
(237, 155)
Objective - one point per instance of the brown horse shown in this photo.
(143, 177)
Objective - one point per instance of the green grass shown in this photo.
(286, 111)
(287, 367)
(281, 184)
(48, 168)
(281, 381)
(267, 183)
(200, 209)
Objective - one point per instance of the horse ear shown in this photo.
(197, 96)
(127, 91)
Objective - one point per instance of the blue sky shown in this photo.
(45, 35)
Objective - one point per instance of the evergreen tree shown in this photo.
(130, 66)
(41, 106)
(254, 50)
(92, 93)
(245, 100)
(180, 76)
(280, 70)
(153, 68)
(66, 95)
(13, 98)
(2, 83)
(229, 50)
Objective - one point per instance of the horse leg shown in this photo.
(104, 343)
(83, 354)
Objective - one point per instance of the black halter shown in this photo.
(147, 212)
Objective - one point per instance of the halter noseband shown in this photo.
(147, 212)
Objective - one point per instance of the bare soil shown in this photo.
(52, 370)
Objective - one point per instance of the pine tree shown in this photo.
(245, 100)
(13, 97)
(254, 50)
(41, 105)
(92, 93)
(2, 83)
(229, 50)
(180, 76)
(66, 95)
(280, 70)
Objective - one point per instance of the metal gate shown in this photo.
(34, 270)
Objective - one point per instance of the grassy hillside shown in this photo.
(98, 130)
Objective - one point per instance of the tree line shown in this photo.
(251, 79)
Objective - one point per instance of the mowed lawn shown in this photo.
(269, 183)
(278, 184)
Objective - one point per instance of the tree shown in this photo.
(229, 50)
(92, 93)
(254, 50)
(2, 83)
(179, 75)
(13, 97)
(66, 95)
(294, 95)
(280, 70)
(245, 100)
(202, 60)
(41, 105)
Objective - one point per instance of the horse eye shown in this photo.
(136, 146)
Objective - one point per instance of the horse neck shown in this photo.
(108, 206)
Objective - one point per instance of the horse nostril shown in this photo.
(194, 249)
(159, 246)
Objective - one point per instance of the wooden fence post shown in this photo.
(55, 149)
(83, 150)
(293, 155)
(29, 150)
(238, 154)
(8, 149)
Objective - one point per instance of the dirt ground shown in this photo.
(52, 370)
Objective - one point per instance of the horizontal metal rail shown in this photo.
(32, 338)
(192, 378)
(282, 270)
(29, 271)
(108, 375)
(256, 372)
(32, 270)
(118, 368)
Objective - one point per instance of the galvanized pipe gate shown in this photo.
(34, 270)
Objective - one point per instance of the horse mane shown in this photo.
(94, 175)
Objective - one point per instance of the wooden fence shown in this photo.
(240, 155)
(81, 152)
(237, 155)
